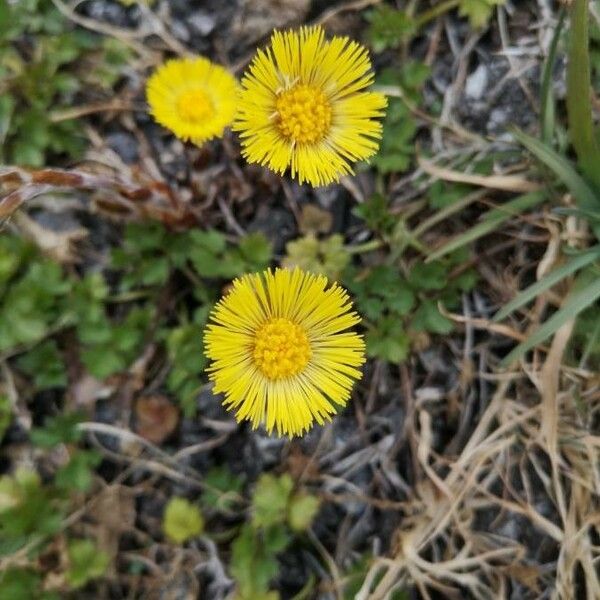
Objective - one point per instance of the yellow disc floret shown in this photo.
(281, 348)
(195, 105)
(303, 114)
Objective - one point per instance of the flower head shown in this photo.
(303, 106)
(193, 97)
(280, 349)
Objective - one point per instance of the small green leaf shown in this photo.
(5, 414)
(375, 213)
(478, 11)
(429, 318)
(23, 584)
(61, 429)
(388, 340)
(222, 489)
(182, 520)
(326, 257)
(302, 510)
(256, 250)
(86, 562)
(254, 563)
(77, 475)
(428, 276)
(44, 365)
(388, 27)
(270, 499)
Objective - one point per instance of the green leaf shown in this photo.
(579, 93)
(562, 168)
(578, 301)
(76, 475)
(326, 257)
(256, 250)
(442, 195)
(222, 489)
(302, 510)
(23, 584)
(375, 213)
(388, 340)
(28, 511)
(44, 365)
(388, 27)
(547, 108)
(61, 429)
(478, 11)
(7, 106)
(211, 240)
(402, 302)
(5, 414)
(571, 266)
(254, 563)
(429, 318)
(182, 520)
(428, 276)
(86, 562)
(270, 500)
(186, 355)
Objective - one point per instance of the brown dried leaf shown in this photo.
(314, 220)
(59, 245)
(155, 418)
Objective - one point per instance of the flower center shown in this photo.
(195, 105)
(281, 348)
(304, 114)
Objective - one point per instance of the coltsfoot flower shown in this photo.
(193, 97)
(303, 106)
(281, 351)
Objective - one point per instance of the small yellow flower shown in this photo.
(303, 106)
(193, 97)
(280, 350)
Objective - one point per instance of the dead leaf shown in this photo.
(59, 245)
(114, 512)
(155, 418)
(314, 220)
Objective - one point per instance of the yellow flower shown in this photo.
(303, 106)
(280, 350)
(194, 98)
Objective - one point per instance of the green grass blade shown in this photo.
(552, 278)
(490, 221)
(579, 93)
(562, 168)
(546, 98)
(576, 303)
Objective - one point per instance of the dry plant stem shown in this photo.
(357, 5)
(126, 36)
(509, 183)
(435, 12)
(465, 470)
(152, 199)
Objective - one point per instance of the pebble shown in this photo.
(202, 23)
(477, 82)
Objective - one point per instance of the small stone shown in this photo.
(476, 83)
(202, 23)
(125, 145)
